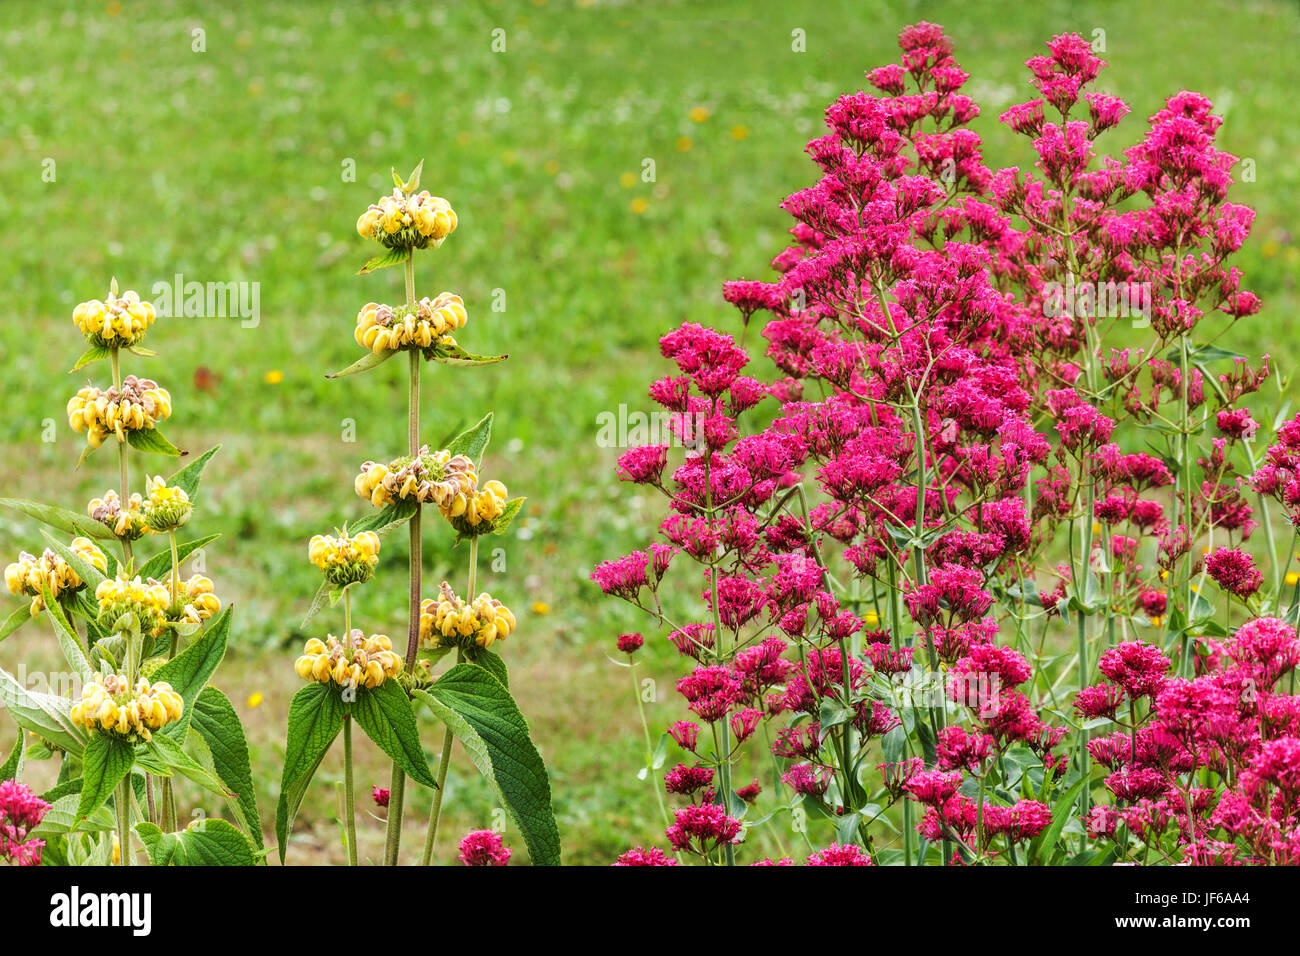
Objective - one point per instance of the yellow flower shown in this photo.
(541, 607)
(273, 377)
(109, 705)
(1292, 577)
(627, 180)
(872, 618)
(451, 622)
(739, 132)
(138, 405)
(382, 328)
(399, 221)
(437, 477)
(255, 699)
(30, 574)
(366, 662)
(127, 523)
(699, 114)
(168, 508)
(147, 600)
(116, 322)
(639, 205)
(684, 144)
(345, 560)
(476, 512)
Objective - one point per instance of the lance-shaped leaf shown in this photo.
(43, 714)
(70, 521)
(483, 715)
(92, 354)
(152, 441)
(187, 479)
(214, 719)
(315, 719)
(188, 672)
(160, 565)
(382, 520)
(207, 842)
(455, 355)
(62, 818)
(386, 715)
(173, 757)
(365, 363)
(69, 643)
(473, 441)
(16, 619)
(390, 257)
(492, 663)
(508, 515)
(106, 761)
(12, 768)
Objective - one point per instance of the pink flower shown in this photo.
(483, 848)
(20, 812)
(840, 855)
(702, 828)
(1137, 667)
(1236, 423)
(685, 781)
(642, 857)
(379, 795)
(630, 643)
(1234, 571)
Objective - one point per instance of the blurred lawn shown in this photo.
(226, 165)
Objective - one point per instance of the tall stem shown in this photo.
(397, 788)
(448, 738)
(122, 465)
(123, 808)
(349, 797)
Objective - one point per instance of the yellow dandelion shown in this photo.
(739, 132)
(639, 205)
(541, 607)
(255, 699)
(627, 180)
(1292, 577)
(699, 114)
(273, 377)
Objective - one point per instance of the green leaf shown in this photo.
(188, 477)
(92, 354)
(152, 441)
(492, 663)
(160, 565)
(365, 363)
(473, 442)
(383, 519)
(88, 573)
(12, 768)
(188, 672)
(1045, 843)
(214, 719)
(508, 515)
(385, 714)
(20, 616)
(315, 719)
(318, 602)
(482, 714)
(106, 761)
(207, 842)
(44, 714)
(455, 355)
(174, 757)
(61, 518)
(69, 643)
(62, 818)
(390, 257)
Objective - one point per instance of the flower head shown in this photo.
(362, 662)
(483, 848)
(116, 322)
(345, 559)
(402, 221)
(450, 622)
(109, 705)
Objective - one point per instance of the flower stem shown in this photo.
(349, 798)
(123, 808)
(397, 787)
(448, 738)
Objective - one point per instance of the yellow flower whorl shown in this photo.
(109, 705)
(371, 663)
(449, 621)
(116, 322)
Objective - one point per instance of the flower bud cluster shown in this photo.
(382, 328)
(345, 560)
(127, 523)
(109, 705)
(436, 477)
(167, 508)
(450, 622)
(139, 404)
(29, 574)
(408, 222)
(117, 322)
(147, 600)
(367, 662)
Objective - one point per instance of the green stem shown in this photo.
(397, 788)
(122, 806)
(349, 797)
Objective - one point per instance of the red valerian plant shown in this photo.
(976, 564)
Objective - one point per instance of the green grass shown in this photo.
(226, 166)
